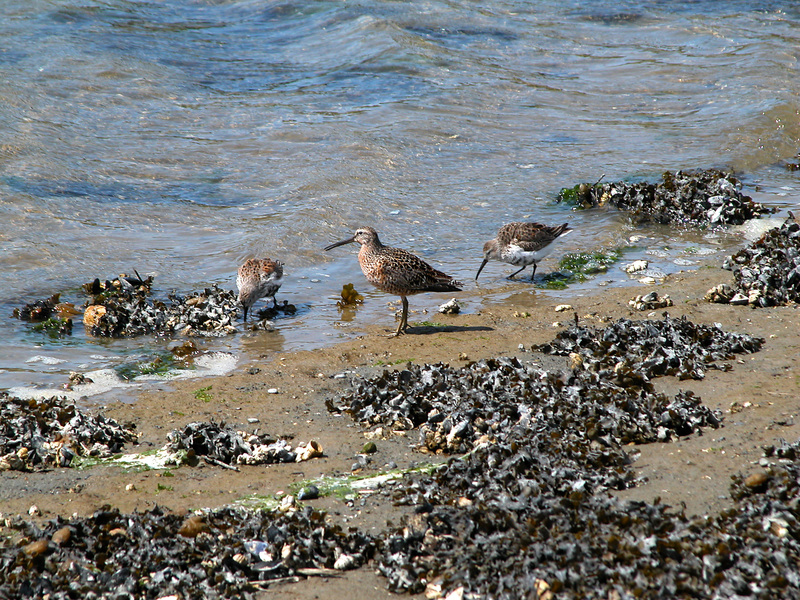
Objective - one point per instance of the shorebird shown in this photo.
(522, 244)
(258, 278)
(396, 271)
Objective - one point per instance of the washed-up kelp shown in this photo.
(767, 272)
(224, 553)
(130, 312)
(456, 408)
(499, 530)
(699, 198)
(630, 349)
(222, 444)
(40, 434)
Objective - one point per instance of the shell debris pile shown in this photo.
(651, 348)
(224, 553)
(226, 445)
(700, 198)
(41, 434)
(457, 409)
(765, 273)
(129, 312)
(504, 519)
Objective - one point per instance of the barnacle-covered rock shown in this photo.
(130, 312)
(38, 434)
(700, 198)
(767, 272)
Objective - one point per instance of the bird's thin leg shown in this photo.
(403, 319)
(274, 302)
(515, 272)
(245, 314)
(534, 272)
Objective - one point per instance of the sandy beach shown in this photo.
(759, 399)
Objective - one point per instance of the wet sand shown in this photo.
(759, 399)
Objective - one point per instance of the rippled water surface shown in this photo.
(179, 138)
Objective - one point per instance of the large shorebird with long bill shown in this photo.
(396, 271)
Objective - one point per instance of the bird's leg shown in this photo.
(401, 328)
(515, 272)
(274, 302)
(534, 272)
(245, 313)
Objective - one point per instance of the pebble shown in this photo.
(451, 307)
(344, 562)
(61, 536)
(309, 492)
(563, 307)
(757, 479)
(637, 265)
(272, 391)
(36, 548)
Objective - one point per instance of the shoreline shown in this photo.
(759, 399)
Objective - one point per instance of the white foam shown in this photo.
(47, 360)
(207, 365)
(103, 380)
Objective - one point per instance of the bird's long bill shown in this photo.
(483, 264)
(342, 243)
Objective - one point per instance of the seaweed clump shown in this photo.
(225, 553)
(699, 198)
(765, 273)
(40, 434)
(222, 445)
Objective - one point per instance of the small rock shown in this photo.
(756, 480)
(309, 492)
(34, 511)
(36, 548)
(637, 265)
(720, 294)
(451, 307)
(272, 391)
(739, 299)
(369, 448)
(563, 307)
(61, 536)
(344, 562)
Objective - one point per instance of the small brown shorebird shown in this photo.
(522, 244)
(397, 271)
(258, 278)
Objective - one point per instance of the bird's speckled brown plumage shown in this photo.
(258, 278)
(522, 244)
(396, 271)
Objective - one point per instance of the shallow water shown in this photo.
(180, 138)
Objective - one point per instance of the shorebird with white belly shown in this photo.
(522, 244)
(258, 278)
